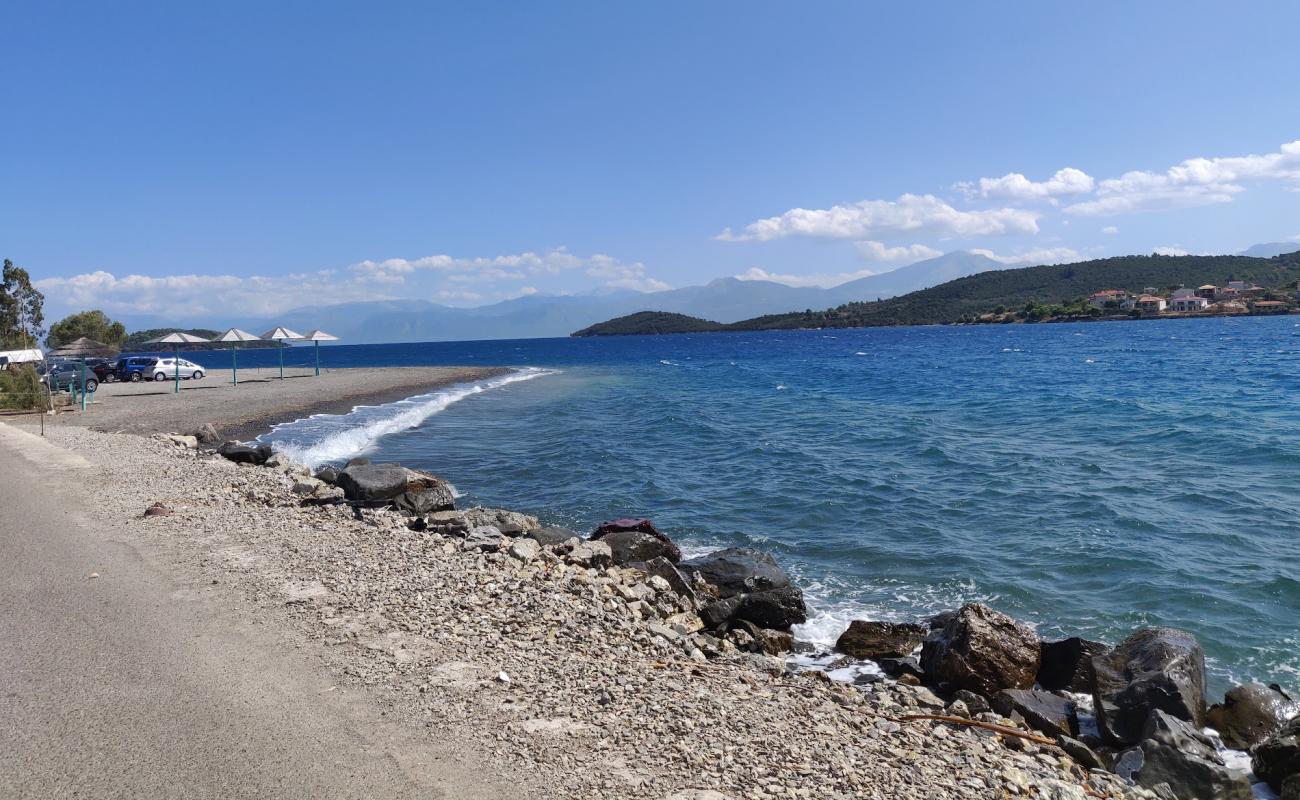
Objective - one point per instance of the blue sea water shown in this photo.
(1087, 478)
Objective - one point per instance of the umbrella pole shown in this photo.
(83, 383)
(282, 345)
(234, 361)
(318, 358)
(177, 371)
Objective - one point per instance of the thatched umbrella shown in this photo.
(282, 335)
(317, 337)
(235, 336)
(83, 348)
(177, 338)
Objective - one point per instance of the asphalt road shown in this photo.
(137, 684)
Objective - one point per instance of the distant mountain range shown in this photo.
(1270, 249)
(723, 300)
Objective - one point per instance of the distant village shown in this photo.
(1235, 297)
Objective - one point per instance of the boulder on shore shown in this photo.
(1175, 754)
(1250, 714)
(982, 650)
(1045, 712)
(410, 490)
(873, 640)
(629, 544)
(552, 536)
(738, 570)
(206, 434)
(663, 568)
(1067, 664)
(245, 453)
(1278, 757)
(775, 608)
(635, 547)
(1154, 669)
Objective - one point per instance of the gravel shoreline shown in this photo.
(260, 400)
(545, 668)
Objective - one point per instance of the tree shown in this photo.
(91, 324)
(21, 308)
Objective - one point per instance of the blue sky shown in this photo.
(272, 154)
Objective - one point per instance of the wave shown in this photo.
(322, 438)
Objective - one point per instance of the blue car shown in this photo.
(135, 368)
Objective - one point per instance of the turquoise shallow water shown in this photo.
(1087, 478)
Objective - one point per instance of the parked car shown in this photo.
(165, 369)
(105, 370)
(68, 374)
(134, 368)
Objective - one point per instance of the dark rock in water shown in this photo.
(1080, 752)
(1043, 711)
(939, 620)
(875, 640)
(432, 498)
(359, 461)
(738, 570)
(669, 550)
(908, 665)
(982, 650)
(244, 453)
(775, 608)
(1176, 754)
(1250, 714)
(1155, 668)
(328, 474)
(207, 434)
(552, 536)
(1067, 664)
(1278, 756)
(664, 568)
(630, 547)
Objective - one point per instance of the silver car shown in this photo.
(165, 369)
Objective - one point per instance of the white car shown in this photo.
(165, 369)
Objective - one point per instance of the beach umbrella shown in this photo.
(235, 336)
(83, 348)
(282, 335)
(177, 338)
(318, 337)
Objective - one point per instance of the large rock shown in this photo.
(245, 453)
(775, 608)
(1291, 788)
(1043, 711)
(1250, 714)
(1278, 757)
(1154, 669)
(866, 639)
(1176, 754)
(552, 536)
(206, 434)
(593, 555)
(1067, 664)
(663, 568)
(645, 526)
(328, 474)
(982, 650)
(635, 547)
(410, 490)
(738, 570)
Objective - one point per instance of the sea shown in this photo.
(1088, 478)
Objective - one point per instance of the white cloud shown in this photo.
(1110, 230)
(1194, 182)
(1050, 255)
(1015, 186)
(910, 214)
(878, 251)
(1171, 250)
(820, 280)
(618, 275)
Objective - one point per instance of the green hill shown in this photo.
(1048, 290)
(644, 322)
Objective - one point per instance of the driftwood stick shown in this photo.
(974, 723)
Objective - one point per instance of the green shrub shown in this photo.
(21, 388)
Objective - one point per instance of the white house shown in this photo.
(1179, 294)
(1189, 303)
(1149, 302)
(1100, 299)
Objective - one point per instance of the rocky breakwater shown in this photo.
(1145, 713)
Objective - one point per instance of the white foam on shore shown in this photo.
(322, 438)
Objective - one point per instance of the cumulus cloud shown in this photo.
(1171, 250)
(1194, 182)
(1050, 255)
(910, 214)
(1110, 230)
(1015, 186)
(906, 254)
(441, 278)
